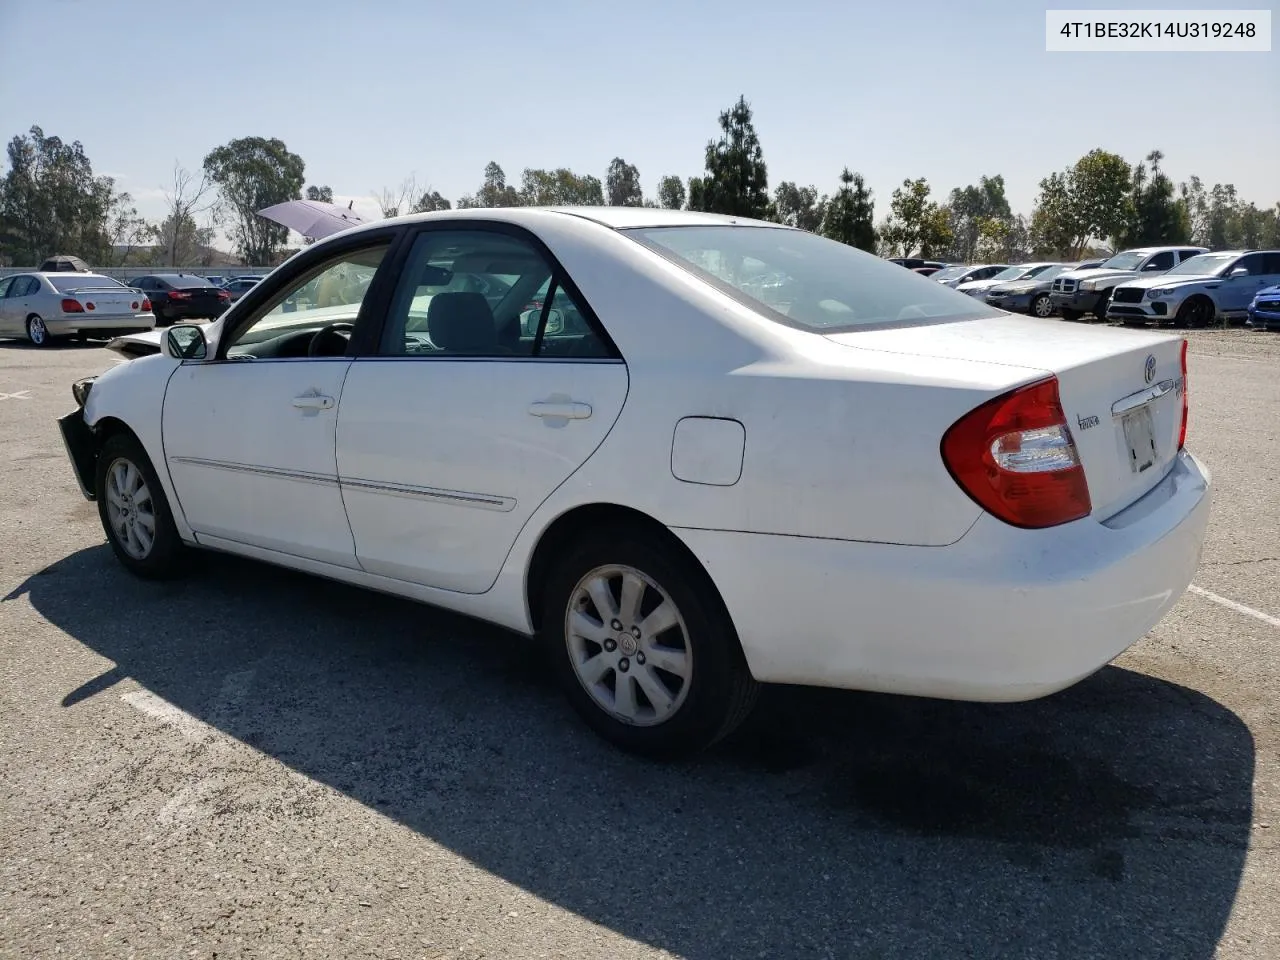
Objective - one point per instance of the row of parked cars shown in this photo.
(47, 305)
(1182, 286)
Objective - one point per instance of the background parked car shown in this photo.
(44, 307)
(1196, 291)
(953, 276)
(915, 263)
(1023, 271)
(182, 296)
(1264, 311)
(1087, 291)
(239, 286)
(1029, 295)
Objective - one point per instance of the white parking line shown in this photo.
(1237, 607)
(144, 701)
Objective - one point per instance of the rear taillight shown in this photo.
(179, 295)
(1182, 432)
(146, 306)
(71, 306)
(223, 295)
(89, 305)
(1014, 455)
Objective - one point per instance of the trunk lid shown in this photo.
(1121, 390)
(107, 301)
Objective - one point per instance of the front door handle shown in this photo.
(313, 402)
(568, 410)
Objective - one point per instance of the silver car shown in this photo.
(44, 307)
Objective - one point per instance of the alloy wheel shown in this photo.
(37, 332)
(628, 645)
(130, 509)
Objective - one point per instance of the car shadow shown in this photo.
(1110, 820)
(61, 343)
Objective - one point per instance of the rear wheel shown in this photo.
(1042, 306)
(642, 646)
(135, 513)
(37, 332)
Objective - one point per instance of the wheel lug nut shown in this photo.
(624, 664)
(616, 624)
(640, 659)
(635, 632)
(611, 645)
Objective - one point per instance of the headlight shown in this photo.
(1159, 292)
(1086, 285)
(80, 390)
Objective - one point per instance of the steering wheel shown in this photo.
(325, 336)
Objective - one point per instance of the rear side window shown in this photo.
(806, 281)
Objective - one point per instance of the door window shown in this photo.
(481, 293)
(4, 286)
(1252, 263)
(1159, 262)
(313, 316)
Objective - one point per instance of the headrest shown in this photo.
(462, 323)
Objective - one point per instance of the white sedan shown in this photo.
(46, 307)
(602, 429)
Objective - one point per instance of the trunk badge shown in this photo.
(1149, 372)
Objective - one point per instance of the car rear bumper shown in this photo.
(62, 326)
(1003, 614)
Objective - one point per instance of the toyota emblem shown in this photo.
(1149, 372)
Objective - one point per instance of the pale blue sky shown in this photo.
(371, 92)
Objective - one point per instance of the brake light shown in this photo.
(146, 306)
(1182, 433)
(89, 305)
(179, 295)
(1015, 457)
(134, 306)
(71, 306)
(223, 295)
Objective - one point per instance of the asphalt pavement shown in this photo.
(254, 763)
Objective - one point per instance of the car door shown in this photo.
(16, 303)
(6, 324)
(249, 434)
(1236, 292)
(471, 409)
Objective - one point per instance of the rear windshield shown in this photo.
(807, 281)
(186, 283)
(75, 281)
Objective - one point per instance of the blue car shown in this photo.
(1264, 311)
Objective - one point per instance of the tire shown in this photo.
(1071, 316)
(1198, 311)
(708, 687)
(1042, 306)
(124, 524)
(37, 333)
(1100, 308)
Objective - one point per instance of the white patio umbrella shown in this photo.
(312, 218)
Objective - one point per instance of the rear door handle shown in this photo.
(313, 402)
(570, 410)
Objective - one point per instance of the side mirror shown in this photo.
(1239, 272)
(186, 342)
(1154, 268)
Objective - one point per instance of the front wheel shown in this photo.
(1196, 312)
(135, 513)
(642, 645)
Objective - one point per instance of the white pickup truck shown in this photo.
(1088, 291)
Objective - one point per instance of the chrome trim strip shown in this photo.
(483, 501)
(460, 497)
(275, 472)
(1143, 397)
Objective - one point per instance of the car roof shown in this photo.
(617, 218)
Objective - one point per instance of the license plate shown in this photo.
(1140, 437)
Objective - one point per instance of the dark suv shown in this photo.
(182, 296)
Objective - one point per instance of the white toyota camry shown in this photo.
(688, 453)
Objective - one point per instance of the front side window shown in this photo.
(322, 305)
(482, 293)
(1252, 263)
(1159, 262)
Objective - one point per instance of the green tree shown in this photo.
(429, 202)
(799, 206)
(1159, 216)
(1089, 200)
(494, 192)
(252, 173)
(975, 208)
(916, 223)
(322, 194)
(736, 181)
(51, 202)
(671, 193)
(560, 187)
(850, 214)
(622, 184)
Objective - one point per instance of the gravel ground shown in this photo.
(251, 763)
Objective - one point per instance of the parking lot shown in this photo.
(252, 763)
